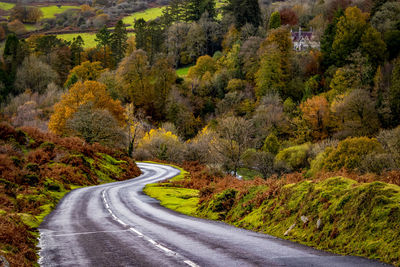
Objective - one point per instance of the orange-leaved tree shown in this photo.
(316, 112)
(79, 94)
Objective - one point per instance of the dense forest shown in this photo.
(229, 85)
(249, 98)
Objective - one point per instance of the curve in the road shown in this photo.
(116, 224)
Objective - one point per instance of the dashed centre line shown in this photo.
(166, 250)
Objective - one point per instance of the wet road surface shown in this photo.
(116, 224)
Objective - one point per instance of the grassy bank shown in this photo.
(336, 214)
(38, 169)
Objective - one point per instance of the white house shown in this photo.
(303, 40)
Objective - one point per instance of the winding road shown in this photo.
(116, 224)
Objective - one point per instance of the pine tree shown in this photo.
(76, 50)
(118, 41)
(103, 38)
(245, 11)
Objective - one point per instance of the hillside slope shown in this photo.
(37, 170)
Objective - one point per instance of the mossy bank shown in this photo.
(336, 214)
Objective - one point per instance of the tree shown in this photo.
(103, 38)
(34, 15)
(244, 11)
(78, 95)
(349, 30)
(372, 46)
(13, 55)
(358, 114)
(274, 20)
(35, 75)
(288, 17)
(394, 92)
(271, 144)
(204, 64)
(149, 37)
(234, 138)
(87, 71)
(119, 41)
(188, 11)
(317, 113)
(76, 50)
(27, 14)
(328, 38)
(260, 161)
(196, 8)
(164, 76)
(134, 73)
(270, 77)
(273, 74)
(96, 126)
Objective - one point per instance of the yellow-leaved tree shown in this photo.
(85, 71)
(80, 94)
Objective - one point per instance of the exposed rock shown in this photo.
(319, 223)
(4, 262)
(304, 219)
(290, 229)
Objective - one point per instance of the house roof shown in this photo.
(297, 36)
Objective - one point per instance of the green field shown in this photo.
(147, 14)
(88, 38)
(182, 72)
(31, 27)
(51, 11)
(6, 6)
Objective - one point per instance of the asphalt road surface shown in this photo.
(116, 224)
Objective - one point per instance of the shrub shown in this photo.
(162, 144)
(295, 156)
(351, 152)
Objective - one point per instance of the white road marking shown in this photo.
(136, 231)
(154, 243)
(191, 263)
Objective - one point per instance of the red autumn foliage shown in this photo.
(288, 17)
(14, 233)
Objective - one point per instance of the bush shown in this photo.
(295, 156)
(161, 144)
(350, 153)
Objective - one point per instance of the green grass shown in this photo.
(31, 27)
(6, 6)
(88, 38)
(51, 11)
(148, 14)
(182, 72)
(182, 200)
